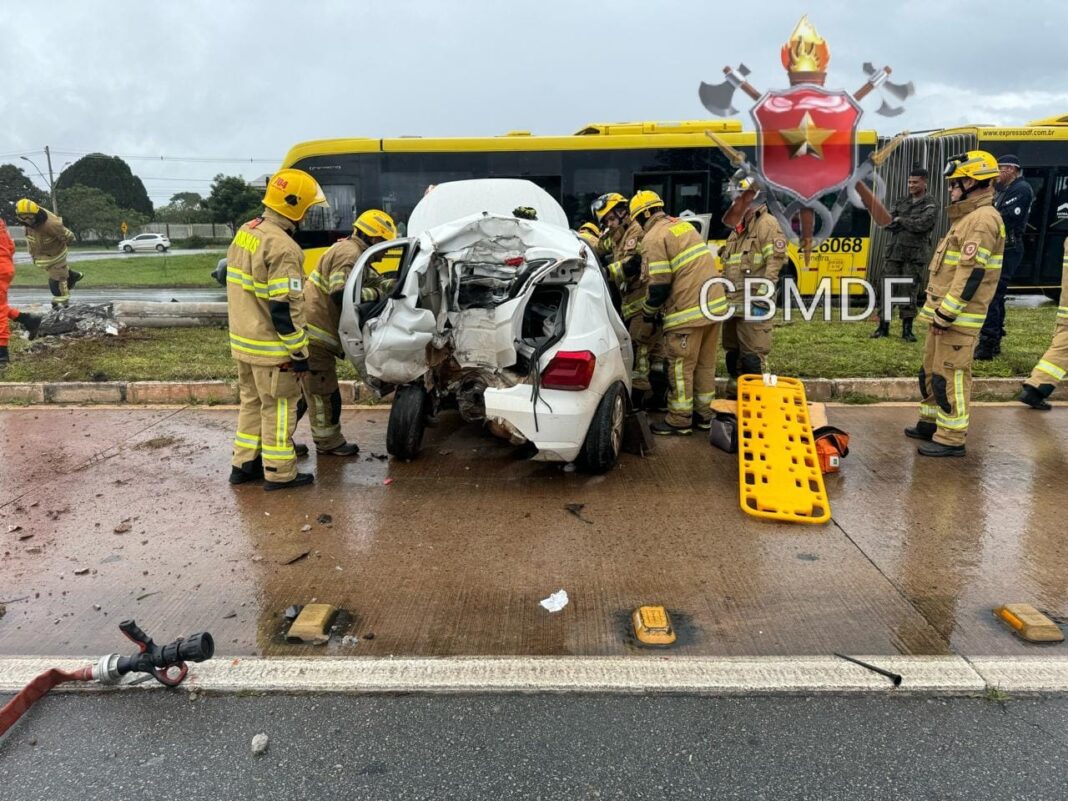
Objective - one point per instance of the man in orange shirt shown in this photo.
(31, 322)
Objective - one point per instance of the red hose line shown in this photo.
(37, 689)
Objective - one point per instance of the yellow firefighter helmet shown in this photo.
(291, 193)
(975, 164)
(605, 203)
(645, 200)
(590, 228)
(375, 222)
(26, 208)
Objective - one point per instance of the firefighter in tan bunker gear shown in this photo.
(681, 301)
(963, 277)
(47, 239)
(323, 293)
(590, 234)
(265, 297)
(1053, 366)
(756, 248)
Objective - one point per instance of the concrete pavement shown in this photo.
(128, 510)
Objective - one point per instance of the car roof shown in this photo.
(453, 200)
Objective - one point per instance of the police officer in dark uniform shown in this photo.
(909, 249)
(1013, 201)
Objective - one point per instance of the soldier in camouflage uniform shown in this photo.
(914, 218)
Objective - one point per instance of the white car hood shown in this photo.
(482, 334)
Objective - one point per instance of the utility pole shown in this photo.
(51, 182)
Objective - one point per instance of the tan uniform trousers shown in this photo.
(747, 337)
(1053, 366)
(647, 356)
(691, 370)
(323, 396)
(267, 418)
(946, 384)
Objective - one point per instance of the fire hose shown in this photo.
(165, 663)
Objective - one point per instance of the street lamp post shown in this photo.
(51, 181)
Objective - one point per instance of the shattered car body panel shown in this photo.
(482, 305)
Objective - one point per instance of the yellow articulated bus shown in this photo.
(674, 159)
(1042, 147)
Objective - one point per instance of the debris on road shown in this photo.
(349, 639)
(3, 610)
(306, 528)
(79, 320)
(26, 536)
(82, 571)
(230, 616)
(312, 624)
(388, 481)
(290, 560)
(259, 744)
(324, 520)
(13, 529)
(894, 677)
(1029, 623)
(556, 601)
(576, 510)
(292, 612)
(123, 527)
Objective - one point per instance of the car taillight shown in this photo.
(570, 370)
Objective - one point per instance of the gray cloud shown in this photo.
(247, 80)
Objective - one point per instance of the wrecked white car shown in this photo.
(509, 320)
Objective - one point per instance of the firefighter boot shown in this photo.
(301, 480)
(5, 359)
(344, 449)
(924, 429)
(665, 429)
(637, 398)
(249, 471)
(906, 330)
(75, 277)
(938, 449)
(300, 449)
(882, 331)
(31, 322)
(1035, 397)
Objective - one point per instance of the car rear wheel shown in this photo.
(161, 248)
(127, 249)
(407, 421)
(604, 440)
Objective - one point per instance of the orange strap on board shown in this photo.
(778, 468)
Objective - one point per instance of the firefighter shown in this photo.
(265, 296)
(680, 301)
(31, 322)
(756, 248)
(914, 218)
(323, 294)
(608, 210)
(962, 279)
(1053, 366)
(1013, 201)
(47, 239)
(590, 234)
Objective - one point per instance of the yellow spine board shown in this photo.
(778, 470)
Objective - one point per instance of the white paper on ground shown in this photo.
(556, 601)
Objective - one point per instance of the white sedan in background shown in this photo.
(158, 242)
(506, 319)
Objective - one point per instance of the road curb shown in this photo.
(856, 390)
(935, 675)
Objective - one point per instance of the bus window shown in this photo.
(338, 215)
(1049, 272)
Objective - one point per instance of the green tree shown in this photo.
(88, 210)
(233, 201)
(112, 176)
(14, 185)
(184, 207)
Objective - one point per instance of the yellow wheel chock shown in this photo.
(778, 470)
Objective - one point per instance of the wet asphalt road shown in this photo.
(113, 513)
(75, 256)
(152, 745)
(30, 297)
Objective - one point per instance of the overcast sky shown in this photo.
(230, 86)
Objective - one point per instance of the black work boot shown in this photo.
(986, 350)
(1035, 397)
(344, 449)
(938, 449)
(702, 423)
(906, 330)
(31, 322)
(882, 331)
(924, 429)
(637, 398)
(300, 449)
(249, 471)
(5, 359)
(301, 480)
(665, 429)
(74, 278)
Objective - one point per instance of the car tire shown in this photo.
(407, 421)
(161, 249)
(604, 439)
(127, 249)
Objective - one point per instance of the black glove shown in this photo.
(299, 366)
(632, 267)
